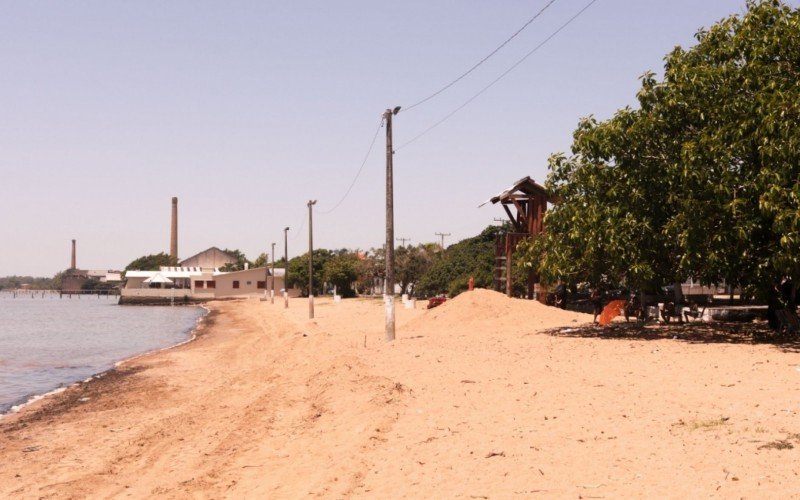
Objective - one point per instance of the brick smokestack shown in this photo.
(73, 265)
(173, 240)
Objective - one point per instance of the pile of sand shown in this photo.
(487, 310)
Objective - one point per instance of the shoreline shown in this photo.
(30, 400)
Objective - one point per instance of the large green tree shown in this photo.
(298, 270)
(701, 180)
(341, 271)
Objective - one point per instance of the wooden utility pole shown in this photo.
(403, 241)
(311, 203)
(285, 268)
(442, 235)
(272, 291)
(389, 297)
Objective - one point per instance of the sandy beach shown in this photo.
(483, 397)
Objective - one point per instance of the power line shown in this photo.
(299, 230)
(366, 156)
(502, 75)
(409, 108)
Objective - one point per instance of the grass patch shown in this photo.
(780, 444)
(693, 425)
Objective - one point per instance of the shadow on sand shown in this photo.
(698, 333)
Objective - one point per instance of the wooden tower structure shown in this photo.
(525, 203)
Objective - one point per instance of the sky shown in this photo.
(246, 110)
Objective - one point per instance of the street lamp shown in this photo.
(285, 267)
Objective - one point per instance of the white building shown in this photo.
(202, 283)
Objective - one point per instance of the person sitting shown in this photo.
(560, 296)
(668, 312)
(632, 308)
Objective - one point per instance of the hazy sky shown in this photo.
(246, 110)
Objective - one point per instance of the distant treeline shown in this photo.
(14, 282)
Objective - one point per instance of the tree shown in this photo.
(239, 264)
(738, 90)
(341, 271)
(472, 257)
(14, 282)
(411, 263)
(613, 206)
(97, 285)
(150, 262)
(298, 271)
(701, 181)
(370, 270)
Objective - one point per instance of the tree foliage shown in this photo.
(298, 270)
(34, 283)
(240, 263)
(472, 257)
(412, 262)
(701, 180)
(97, 285)
(341, 271)
(370, 270)
(150, 262)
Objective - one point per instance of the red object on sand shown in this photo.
(436, 301)
(611, 311)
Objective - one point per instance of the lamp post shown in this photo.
(285, 267)
(311, 203)
(389, 297)
(272, 291)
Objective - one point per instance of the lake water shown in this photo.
(47, 342)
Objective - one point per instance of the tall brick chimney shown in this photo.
(173, 240)
(73, 265)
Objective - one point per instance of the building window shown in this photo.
(198, 283)
(261, 284)
(235, 284)
(211, 284)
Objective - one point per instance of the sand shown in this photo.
(482, 397)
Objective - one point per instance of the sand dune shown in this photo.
(472, 400)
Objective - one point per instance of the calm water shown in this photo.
(47, 343)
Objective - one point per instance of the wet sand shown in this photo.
(482, 397)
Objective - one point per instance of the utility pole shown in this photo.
(266, 276)
(403, 241)
(272, 291)
(311, 203)
(442, 235)
(389, 297)
(285, 268)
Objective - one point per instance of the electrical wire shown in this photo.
(299, 230)
(531, 20)
(502, 75)
(360, 169)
